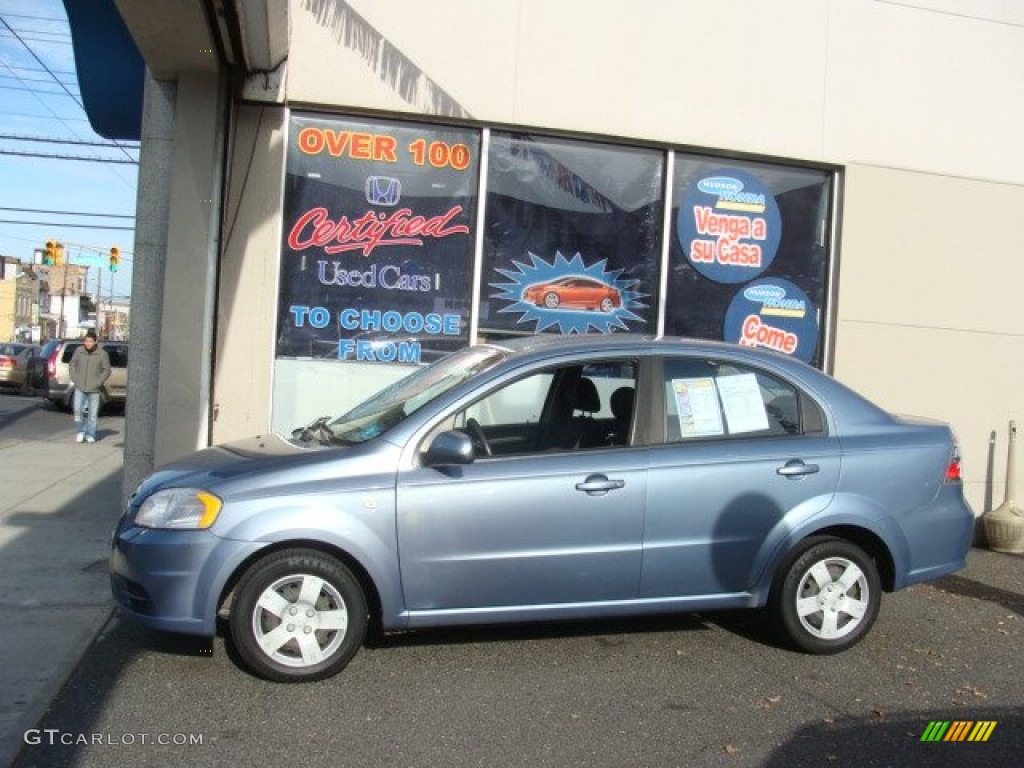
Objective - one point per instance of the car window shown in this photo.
(567, 408)
(69, 350)
(118, 355)
(708, 399)
(404, 397)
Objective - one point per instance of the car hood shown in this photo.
(263, 457)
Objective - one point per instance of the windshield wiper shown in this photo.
(317, 430)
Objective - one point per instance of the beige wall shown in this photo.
(247, 298)
(922, 84)
(7, 300)
(928, 317)
(919, 101)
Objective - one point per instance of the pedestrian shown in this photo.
(90, 369)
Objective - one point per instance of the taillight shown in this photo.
(51, 364)
(953, 471)
(6, 362)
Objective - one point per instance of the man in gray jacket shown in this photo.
(90, 369)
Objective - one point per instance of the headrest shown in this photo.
(622, 403)
(587, 399)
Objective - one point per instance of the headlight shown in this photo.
(179, 508)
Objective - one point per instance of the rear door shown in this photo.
(117, 384)
(741, 456)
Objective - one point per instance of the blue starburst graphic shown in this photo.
(539, 294)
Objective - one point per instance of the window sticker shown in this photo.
(742, 403)
(697, 406)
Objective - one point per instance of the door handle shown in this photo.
(797, 468)
(599, 485)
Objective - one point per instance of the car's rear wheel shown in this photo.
(607, 305)
(826, 596)
(551, 300)
(298, 615)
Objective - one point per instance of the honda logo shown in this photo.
(383, 190)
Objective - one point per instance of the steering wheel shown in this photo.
(476, 434)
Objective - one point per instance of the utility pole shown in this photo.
(99, 300)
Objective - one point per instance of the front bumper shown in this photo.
(172, 580)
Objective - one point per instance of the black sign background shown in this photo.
(420, 266)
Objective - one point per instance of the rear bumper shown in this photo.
(60, 394)
(941, 534)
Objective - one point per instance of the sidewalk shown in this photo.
(59, 501)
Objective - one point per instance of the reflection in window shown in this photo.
(558, 208)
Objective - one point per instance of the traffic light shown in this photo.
(50, 254)
(58, 254)
(115, 258)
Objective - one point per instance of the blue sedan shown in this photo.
(550, 478)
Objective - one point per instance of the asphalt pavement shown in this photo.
(58, 505)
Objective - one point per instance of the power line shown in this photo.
(71, 213)
(54, 156)
(37, 69)
(29, 37)
(63, 225)
(43, 65)
(57, 19)
(54, 140)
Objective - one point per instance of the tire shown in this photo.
(826, 596)
(551, 300)
(607, 305)
(304, 638)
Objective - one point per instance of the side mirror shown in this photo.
(451, 447)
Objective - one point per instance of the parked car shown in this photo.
(14, 359)
(573, 292)
(501, 484)
(59, 389)
(36, 377)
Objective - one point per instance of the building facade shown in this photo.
(332, 191)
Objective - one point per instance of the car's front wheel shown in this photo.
(827, 596)
(551, 300)
(298, 615)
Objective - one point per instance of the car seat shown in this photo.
(580, 430)
(621, 403)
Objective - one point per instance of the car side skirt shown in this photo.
(569, 611)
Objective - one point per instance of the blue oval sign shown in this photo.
(729, 226)
(773, 313)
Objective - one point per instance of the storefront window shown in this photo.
(379, 260)
(376, 260)
(376, 263)
(572, 237)
(749, 254)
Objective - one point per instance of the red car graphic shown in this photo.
(573, 293)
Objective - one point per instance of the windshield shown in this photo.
(394, 403)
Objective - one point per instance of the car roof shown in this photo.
(549, 343)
